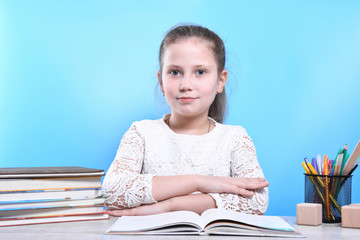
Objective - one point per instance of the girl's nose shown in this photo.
(186, 83)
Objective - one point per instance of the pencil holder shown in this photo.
(332, 192)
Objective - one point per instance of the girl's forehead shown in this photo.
(189, 52)
(198, 41)
(189, 46)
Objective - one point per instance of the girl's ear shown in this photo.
(222, 81)
(160, 81)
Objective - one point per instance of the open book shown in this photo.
(211, 222)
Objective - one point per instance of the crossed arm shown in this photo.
(173, 193)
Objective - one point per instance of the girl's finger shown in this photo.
(245, 193)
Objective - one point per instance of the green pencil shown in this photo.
(345, 157)
(335, 159)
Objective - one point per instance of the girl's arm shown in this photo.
(195, 202)
(244, 164)
(123, 184)
(165, 187)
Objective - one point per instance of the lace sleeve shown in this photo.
(244, 164)
(123, 185)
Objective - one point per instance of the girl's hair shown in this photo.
(218, 107)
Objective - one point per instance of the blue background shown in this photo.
(75, 74)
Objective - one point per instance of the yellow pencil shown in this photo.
(321, 183)
(316, 188)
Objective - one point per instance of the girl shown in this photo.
(188, 160)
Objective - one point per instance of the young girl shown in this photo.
(188, 160)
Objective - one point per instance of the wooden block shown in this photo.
(309, 214)
(355, 205)
(352, 159)
(350, 216)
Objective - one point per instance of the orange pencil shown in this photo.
(326, 168)
(311, 170)
(326, 182)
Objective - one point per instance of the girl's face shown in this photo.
(190, 78)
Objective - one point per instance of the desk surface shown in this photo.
(90, 230)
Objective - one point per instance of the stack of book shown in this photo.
(50, 194)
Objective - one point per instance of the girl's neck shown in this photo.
(189, 125)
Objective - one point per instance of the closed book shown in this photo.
(33, 184)
(49, 212)
(58, 219)
(52, 204)
(49, 172)
(30, 196)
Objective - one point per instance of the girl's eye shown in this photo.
(174, 72)
(200, 72)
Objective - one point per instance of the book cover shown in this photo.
(52, 204)
(33, 196)
(57, 219)
(33, 184)
(49, 212)
(46, 172)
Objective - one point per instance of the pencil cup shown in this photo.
(332, 192)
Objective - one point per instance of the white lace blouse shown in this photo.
(151, 148)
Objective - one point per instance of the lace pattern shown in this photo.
(124, 186)
(150, 148)
(244, 164)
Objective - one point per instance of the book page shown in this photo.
(258, 232)
(151, 222)
(268, 222)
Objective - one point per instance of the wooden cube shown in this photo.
(350, 216)
(309, 214)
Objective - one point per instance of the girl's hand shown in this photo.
(194, 202)
(241, 186)
(167, 187)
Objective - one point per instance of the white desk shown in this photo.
(89, 230)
